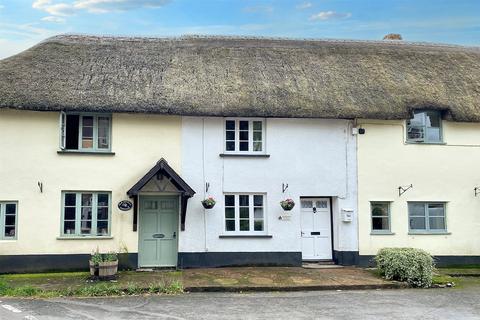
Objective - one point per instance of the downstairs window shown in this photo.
(8, 220)
(244, 213)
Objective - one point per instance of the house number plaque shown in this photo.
(125, 205)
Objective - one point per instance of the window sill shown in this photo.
(428, 233)
(380, 233)
(85, 238)
(427, 143)
(239, 236)
(244, 155)
(8, 240)
(103, 153)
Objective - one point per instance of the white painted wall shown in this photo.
(315, 157)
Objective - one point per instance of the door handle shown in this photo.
(174, 235)
(314, 210)
(302, 233)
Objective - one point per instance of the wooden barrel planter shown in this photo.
(107, 269)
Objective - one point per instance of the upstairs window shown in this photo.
(8, 220)
(244, 136)
(425, 127)
(86, 214)
(85, 132)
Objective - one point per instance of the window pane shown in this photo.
(10, 220)
(86, 227)
(230, 213)
(257, 136)
(102, 228)
(86, 213)
(244, 125)
(9, 231)
(416, 209)
(257, 146)
(243, 146)
(436, 210)
(244, 135)
(258, 225)
(70, 199)
(432, 119)
(244, 213)
(306, 204)
(230, 146)
(230, 225)
(416, 133)
(230, 135)
(69, 213)
(87, 121)
(417, 223)
(257, 125)
(418, 119)
(103, 132)
(229, 200)
(102, 213)
(433, 135)
(258, 213)
(243, 200)
(86, 199)
(379, 209)
(10, 208)
(258, 200)
(103, 199)
(380, 223)
(244, 225)
(69, 227)
(87, 132)
(437, 223)
(230, 124)
(322, 204)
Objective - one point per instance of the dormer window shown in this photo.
(85, 132)
(244, 136)
(425, 127)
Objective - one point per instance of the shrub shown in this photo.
(414, 266)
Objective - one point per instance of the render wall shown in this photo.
(315, 157)
(439, 172)
(30, 141)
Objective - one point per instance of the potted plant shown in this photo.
(95, 260)
(208, 203)
(287, 204)
(109, 265)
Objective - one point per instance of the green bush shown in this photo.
(414, 266)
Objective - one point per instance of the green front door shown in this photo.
(158, 229)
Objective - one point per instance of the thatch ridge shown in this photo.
(243, 76)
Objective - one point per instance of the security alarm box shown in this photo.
(347, 215)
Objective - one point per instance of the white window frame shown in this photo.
(251, 215)
(94, 148)
(78, 205)
(3, 218)
(250, 136)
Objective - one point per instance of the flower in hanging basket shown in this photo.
(287, 204)
(208, 203)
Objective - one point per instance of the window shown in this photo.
(8, 220)
(425, 126)
(380, 217)
(244, 136)
(85, 132)
(244, 212)
(86, 213)
(425, 216)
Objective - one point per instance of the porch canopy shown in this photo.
(173, 180)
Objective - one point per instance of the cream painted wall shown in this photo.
(29, 142)
(446, 172)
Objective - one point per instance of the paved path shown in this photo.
(369, 304)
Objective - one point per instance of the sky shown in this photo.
(23, 23)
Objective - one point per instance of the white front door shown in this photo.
(316, 229)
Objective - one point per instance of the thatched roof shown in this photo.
(215, 76)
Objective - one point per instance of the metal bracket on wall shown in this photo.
(284, 187)
(476, 190)
(207, 186)
(403, 189)
(40, 186)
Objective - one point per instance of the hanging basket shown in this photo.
(287, 204)
(208, 203)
